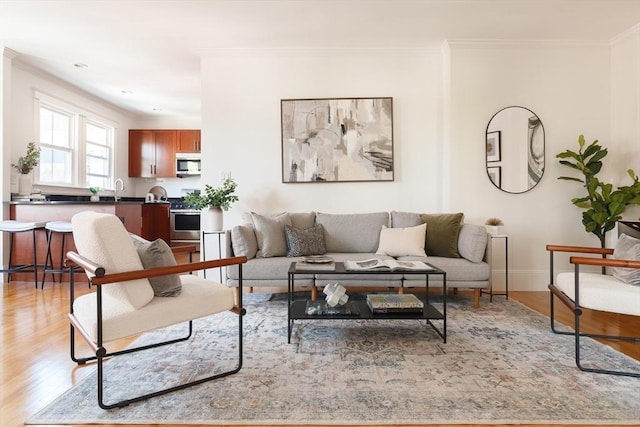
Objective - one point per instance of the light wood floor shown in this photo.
(35, 366)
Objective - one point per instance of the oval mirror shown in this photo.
(515, 149)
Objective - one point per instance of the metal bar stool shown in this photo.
(63, 228)
(12, 227)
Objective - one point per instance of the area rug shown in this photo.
(501, 364)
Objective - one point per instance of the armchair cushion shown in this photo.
(628, 248)
(103, 239)
(158, 254)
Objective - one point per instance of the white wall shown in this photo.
(625, 111)
(24, 81)
(241, 93)
(567, 87)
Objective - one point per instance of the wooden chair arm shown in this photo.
(103, 279)
(84, 263)
(605, 262)
(580, 249)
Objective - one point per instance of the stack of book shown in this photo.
(394, 303)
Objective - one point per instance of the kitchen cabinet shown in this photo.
(188, 141)
(152, 153)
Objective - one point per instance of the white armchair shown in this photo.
(594, 291)
(125, 303)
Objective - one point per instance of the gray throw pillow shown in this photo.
(472, 242)
(158, 254)
(628, 248)
(243, 241)
(305, 241)
(270, 234)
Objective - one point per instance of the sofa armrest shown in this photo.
(228, 247)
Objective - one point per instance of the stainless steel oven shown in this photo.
(185, 227)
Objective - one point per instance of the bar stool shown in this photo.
(63, 228)
(12, 227)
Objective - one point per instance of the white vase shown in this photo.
(94, 198)
(493, 229)
(25, 184)
(212, 219)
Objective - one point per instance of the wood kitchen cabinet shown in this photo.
(188, 141)
(152, 153)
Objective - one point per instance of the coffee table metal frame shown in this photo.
(296, 308)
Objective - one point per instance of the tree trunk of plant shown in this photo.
(603, 245)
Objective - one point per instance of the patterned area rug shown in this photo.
(501, 364)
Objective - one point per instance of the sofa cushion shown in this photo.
(405, 219)
(352, 232)
(628, 248)
(270, 234)
(243, 241)
(442, 236)
(158, 254)
(305, 241)
(402, 241)
(472, 242)
(102, 238)
(302, 219)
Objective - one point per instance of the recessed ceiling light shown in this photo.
(157, 109)
(80, 65)
(126, 92)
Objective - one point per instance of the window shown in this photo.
(76, 146)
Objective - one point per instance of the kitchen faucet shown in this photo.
(115, 190)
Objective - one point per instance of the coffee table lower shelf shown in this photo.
(297, 311)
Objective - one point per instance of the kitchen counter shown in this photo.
(148, 220)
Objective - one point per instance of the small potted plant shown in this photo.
(214, 201)
(94, 194)
(493, 225)
(25, 165)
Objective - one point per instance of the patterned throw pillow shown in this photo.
(627, 248)
(302, 242)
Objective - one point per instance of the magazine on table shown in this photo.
(385, 265)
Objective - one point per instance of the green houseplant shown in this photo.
(603, 206)
(215, 200)
(24, 166)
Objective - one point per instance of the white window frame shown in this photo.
(81, 117)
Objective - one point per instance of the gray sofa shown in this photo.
(266, 240)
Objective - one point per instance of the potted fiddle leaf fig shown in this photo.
(213, 201)
(603, 205)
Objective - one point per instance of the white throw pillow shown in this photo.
(628, 248)
(408, 241)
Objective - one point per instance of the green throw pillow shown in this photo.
(442, 234)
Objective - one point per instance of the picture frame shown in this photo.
(495, 175)
(494, 146)
(337, 140)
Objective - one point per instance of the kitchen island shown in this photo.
(148, 220)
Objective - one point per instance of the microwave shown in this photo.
(187, 165)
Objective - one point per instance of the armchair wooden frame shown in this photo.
(574, 304)
(100, 279)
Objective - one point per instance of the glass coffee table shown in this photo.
(356, 309)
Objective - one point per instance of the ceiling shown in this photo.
(143, 55)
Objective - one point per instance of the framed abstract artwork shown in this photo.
(337, 140)
(493, 146)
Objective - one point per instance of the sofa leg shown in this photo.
(236, 294)
(455, 291)
(476, 298)
(250, 289)
(314, 293)
(401, 290)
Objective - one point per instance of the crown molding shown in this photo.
(315, 51)
(625, 34)
(503, 42)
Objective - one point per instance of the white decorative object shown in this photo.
(25, 184)
(493, 229)
(94, 198)
(212, 219)
(335, 294)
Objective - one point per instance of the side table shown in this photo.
(491, 293)
(218, 233)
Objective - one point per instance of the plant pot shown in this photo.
(493, 229)
(94, 198)
(25, 184)
(212, 219)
